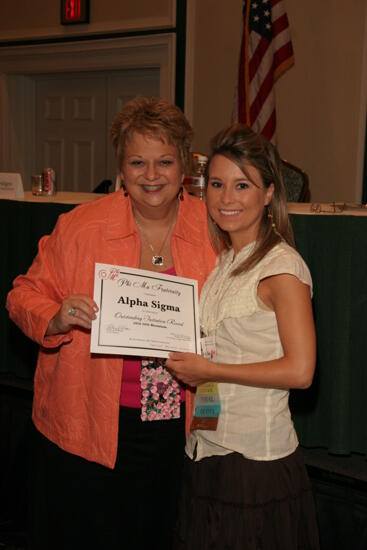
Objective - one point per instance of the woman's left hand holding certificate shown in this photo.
(76, 310)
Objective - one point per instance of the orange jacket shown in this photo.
(76, 395)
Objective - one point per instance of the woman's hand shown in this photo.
(76, 310)
(190, 368)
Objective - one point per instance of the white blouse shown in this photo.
(255, 422)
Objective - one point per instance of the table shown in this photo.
(332, 413)
(61, 197)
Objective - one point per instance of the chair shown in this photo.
(103, 187)
(295, 182)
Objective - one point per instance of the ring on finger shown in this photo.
(72, 311)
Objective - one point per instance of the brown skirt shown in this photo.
(230, 502)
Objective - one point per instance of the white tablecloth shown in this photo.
(315, 209)
(327, 209)
(63, 197)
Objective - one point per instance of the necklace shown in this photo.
(157, 259)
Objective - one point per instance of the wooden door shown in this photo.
(73, 115)
(123, 86)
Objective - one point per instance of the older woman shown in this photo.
(103, 478)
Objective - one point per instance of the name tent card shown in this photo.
(11, 186)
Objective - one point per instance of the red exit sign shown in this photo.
(74, 11)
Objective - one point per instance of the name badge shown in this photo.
(206, 403)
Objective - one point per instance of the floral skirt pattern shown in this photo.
(160, 393)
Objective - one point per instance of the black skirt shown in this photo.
(76, 504)
(230, 502)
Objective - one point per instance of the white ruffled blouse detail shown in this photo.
(224, 296)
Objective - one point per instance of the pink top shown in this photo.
(130, 386)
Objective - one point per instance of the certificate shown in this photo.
(144, 313)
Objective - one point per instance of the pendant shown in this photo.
(157, 260)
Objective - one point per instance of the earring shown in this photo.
(180, 194)
(274, 227)
(126, 194)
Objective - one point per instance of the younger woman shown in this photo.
(246, 485)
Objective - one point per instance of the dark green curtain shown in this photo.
(332, 412)
(22, 225)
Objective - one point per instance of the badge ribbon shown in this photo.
(207, 402)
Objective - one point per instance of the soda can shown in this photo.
(49, 184)
(37, 184)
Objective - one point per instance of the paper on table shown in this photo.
(11, 186)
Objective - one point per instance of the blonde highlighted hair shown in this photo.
(245, 147)
(156, 118)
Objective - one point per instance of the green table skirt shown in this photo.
(333, 412)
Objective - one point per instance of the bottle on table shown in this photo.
(198, 175)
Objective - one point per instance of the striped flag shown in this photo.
(266, 53)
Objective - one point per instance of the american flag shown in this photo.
(266, 53)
